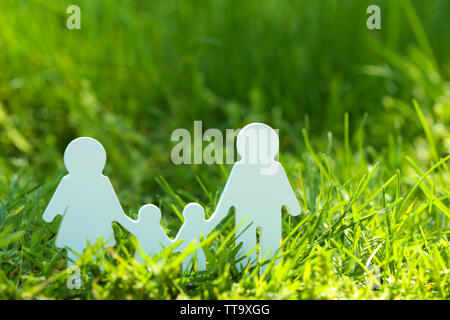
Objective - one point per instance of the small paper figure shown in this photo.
(257, 188)
(193, 227)
(85, 198)
(147, 229)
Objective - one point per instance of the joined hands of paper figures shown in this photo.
(257, 188)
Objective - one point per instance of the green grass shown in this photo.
(364, 125)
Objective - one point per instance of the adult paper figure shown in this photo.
(85, 198)
(257, 188)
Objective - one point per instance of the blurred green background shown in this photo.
(137, 70)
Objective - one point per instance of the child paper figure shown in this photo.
(193, 227)
(85, 198)
(257, 188)
(148, 231)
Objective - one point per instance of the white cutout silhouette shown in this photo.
(257, 188)
(193, 227)
(147, 229)
(85, 198)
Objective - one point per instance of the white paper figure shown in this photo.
(193, 227)
(147, 229)
(257, 188)
(85, 198)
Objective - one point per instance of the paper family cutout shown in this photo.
(257, 188)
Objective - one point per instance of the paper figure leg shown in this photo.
(201, 260)
(138, 257)
(270, 243)
(187, 262)
(248, 240)
(71, 257)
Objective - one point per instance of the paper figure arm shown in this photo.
(126, 222)
(166, 241)
(58, 202)
(119, 215)
(223, 207)
(290, 199)
(178, 237)
(226, 201)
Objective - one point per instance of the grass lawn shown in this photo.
(363, 117)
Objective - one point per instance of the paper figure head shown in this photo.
(85, 155)
(256, 143)
(193, 212)
(149, 214)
